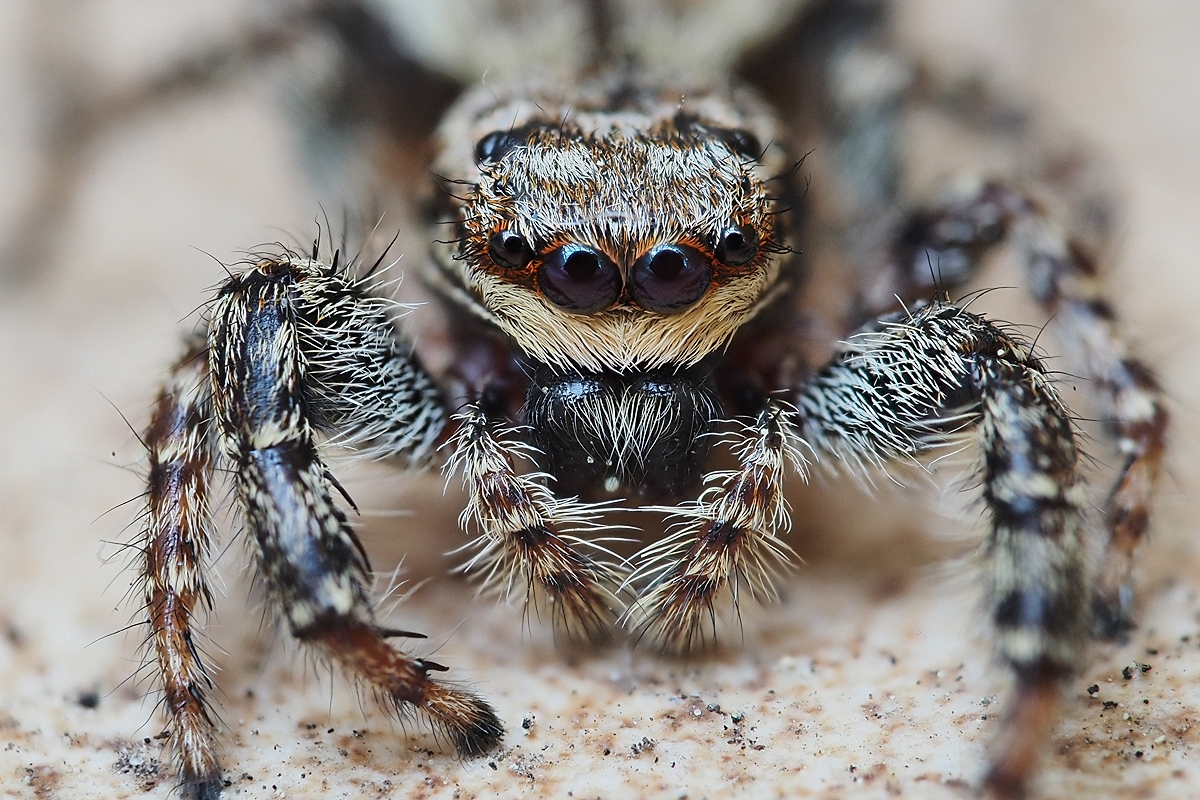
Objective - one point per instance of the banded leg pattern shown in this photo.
(902, 388)
(176, 541)
(526, 543)
(727, 540)
(1066, 282)
(267, 346)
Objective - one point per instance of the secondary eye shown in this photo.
(742, 142)
(495, 146)
(579, 279)
(737, 245)
(670, 278)
(509, 250)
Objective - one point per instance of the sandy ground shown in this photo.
(871, 679)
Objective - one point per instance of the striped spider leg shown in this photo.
(295, 347)
(900, 387)
(1065, 280)
(526, 546)
(727, 539)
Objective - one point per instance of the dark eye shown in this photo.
(579, 279)
(495, 146)
(509, 250)
(742, 142)
(669, 278)
(737, 245)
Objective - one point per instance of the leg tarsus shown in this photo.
(465, 718)
(1112, 613)
(1030, 722)
(202, 787)
(476, 730)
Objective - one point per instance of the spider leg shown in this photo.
(1065, 281)
(727, 539)
(524, 526)
(901, 388)
(178, 531)
(296, 346)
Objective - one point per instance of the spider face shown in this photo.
(607, 237)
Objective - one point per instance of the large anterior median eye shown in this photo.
(669, 278)
(579, 279)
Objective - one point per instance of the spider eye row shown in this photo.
(667, 278)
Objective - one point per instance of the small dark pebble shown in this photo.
(713, 707)
(1110, 704)
(1127, 673)
(644, 746)
(527, 723)
(1137, 754)
(1145, 702)
(492, 764)
(737, 717)
(607, 751)
(89, 699)
(1151, 651)
(1094, 689)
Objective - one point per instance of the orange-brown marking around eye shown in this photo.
(526, 276)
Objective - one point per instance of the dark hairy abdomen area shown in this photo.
(637, 433)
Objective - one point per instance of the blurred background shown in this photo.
(872, 677)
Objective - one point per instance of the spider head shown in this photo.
(621, 238)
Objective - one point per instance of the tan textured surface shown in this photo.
(869, 681)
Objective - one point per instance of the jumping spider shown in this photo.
(623, 266)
